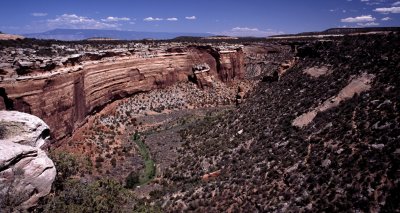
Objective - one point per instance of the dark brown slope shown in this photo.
(347, 159)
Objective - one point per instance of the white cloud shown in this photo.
(386, 10)
(39, 14)
(359, 19)
(373, 2)
(172, 19)
(152, 19)
(386, 19)
(397, 3)
(115, 19)
(249, 31)
(369, 24)
(191, 17)
(74, 21)
(244, 29)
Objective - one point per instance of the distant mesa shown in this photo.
(84, 34)
(101, 39)
(220, 38)
(339, 32)
(4, 36)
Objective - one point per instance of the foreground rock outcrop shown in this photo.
(26, 173)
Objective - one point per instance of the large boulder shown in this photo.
(26, 172)
(23, 128)
(202, 76)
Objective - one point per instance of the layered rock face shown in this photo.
(230, 64)
(65, 96)
(264, 60)
(26, 173)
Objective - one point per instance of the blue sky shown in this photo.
(230, 17)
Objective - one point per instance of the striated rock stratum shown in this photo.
(76, 85)
(26, 173)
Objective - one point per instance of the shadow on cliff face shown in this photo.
(5, 102)
(2, 132)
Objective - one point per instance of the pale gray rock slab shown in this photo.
(23, 128)
(26, 172)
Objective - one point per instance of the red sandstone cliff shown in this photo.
(231, 65)
(65, 97)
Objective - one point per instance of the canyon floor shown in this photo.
(156, 117)
(134, 141)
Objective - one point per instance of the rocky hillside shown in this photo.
(325, 137)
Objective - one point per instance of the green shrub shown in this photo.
(99, 159)
(136, 136)
(67, 165)
(149, 170)
(146, 208)
(100, 196)
(131, 180)
(113, 162)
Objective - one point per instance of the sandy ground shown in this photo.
(356, 86)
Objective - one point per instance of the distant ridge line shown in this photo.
(83, 34)
(334, 31)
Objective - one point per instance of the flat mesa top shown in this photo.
(10, 37)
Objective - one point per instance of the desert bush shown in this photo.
(131, 180)
(146, 208)
(99, 159)
(67, 165)
(113, 162)
(100, 196)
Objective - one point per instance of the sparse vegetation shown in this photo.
(67, 165)
(268, 165)
(149, 166)
(100, 196)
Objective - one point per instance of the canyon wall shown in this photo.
(65, 97)
(230, 64)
